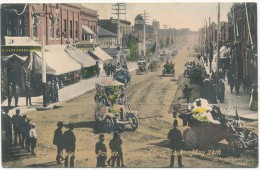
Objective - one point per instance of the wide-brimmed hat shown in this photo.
(33, 124)
(60, 123)
(101, 136)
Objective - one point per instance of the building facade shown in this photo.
(242, 25)
(111, 25)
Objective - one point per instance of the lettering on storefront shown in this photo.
(85, 46)
(15, 49)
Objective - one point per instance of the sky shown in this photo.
(174, 15)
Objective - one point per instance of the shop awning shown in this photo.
(37, 65)
(59, 60)
(98, 52)
(87, 30)
(20, 58)
(81, 57)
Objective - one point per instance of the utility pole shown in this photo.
(145, 17)
(218, 46)
(120, 8)
(165, 27)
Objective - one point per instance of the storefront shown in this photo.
(101, 56)
(67, 70)
(85, 60)
(16, 62)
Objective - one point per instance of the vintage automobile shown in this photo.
(123, 76)
(154, 65)
(168, 69)
(206, 133)
(141, 67)
(112, 111)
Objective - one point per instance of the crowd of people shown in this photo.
(52, 91)
(17, 130)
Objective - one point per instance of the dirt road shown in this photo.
(151, 95)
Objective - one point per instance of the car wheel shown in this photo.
(190, 138)
(134, 123)
(108, 125)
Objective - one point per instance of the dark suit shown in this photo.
(57, 140)
(69, 144)
(175, 137)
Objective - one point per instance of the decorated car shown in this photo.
(113, 111)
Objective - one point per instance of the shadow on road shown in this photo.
(42, 165)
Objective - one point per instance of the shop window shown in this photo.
(57, 28)
(51, 28)
(64, 28)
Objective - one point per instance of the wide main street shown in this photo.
(152, 96)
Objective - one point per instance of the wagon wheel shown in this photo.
(190, 138)
(237, 146)
(206, 146)
(108, 125)
(252, 141)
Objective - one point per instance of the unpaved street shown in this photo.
(152, 96)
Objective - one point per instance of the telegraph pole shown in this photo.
(145, 16)
(165, 27)
(218, 47)
(120, 8)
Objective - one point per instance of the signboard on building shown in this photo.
(19, 49)
(85, 46)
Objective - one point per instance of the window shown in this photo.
(70, 29)
(35, 21)
(76, 29)
(57, 28)
(64, 28)
(51, 28)
(21, 26)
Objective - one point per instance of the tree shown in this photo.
(133, 46)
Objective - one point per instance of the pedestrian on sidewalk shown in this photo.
(253, 104)
(97, 69)
(237, 84)
(221, 91)
(231, 82)
(28, 93)
(56, 88)
(33, 138)
(10, 94)
(57, 140)
(16, 95)
(101, 152)
(176, 140)
(17, 120)
(69, 143)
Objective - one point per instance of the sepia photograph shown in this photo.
(129, 84)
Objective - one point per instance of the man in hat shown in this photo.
(69, 143)
(186, 93)
(28, 93)
(176, 138)
(16, 95)
(57, 140)
(10, 94)
(101, 152)
(33, 138)
(17, 120)
(27, 134)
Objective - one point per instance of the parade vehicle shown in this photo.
(230, 128)
(154, 65)
(113, 111)
(123, 76)
(168, 69)
(141, 67)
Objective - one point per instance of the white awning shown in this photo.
(81, 57)
(87, 30)
(101, 54)
(21, 58)
(57, 58)
(20, 41)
